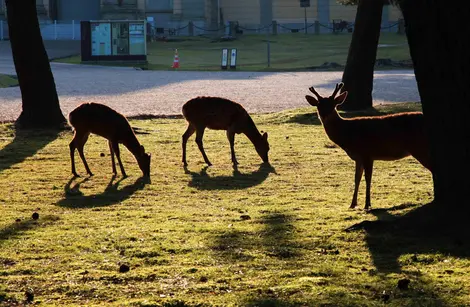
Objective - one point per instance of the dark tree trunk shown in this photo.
(439, 49)
(41, 107)
(53, 14)
(358, 74)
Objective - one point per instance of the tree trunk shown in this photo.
(436, 33)
(358, 74)
(40, 102)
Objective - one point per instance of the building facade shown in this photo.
(209, 13)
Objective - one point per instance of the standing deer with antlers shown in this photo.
(365, 139)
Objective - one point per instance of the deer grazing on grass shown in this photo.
(221, 114)
(106, 122)
(365, 139)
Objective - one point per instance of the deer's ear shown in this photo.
(311, 100)
(265, 136)
(341, 98)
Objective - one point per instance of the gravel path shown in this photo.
(135, 92)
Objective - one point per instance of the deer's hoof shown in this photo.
(353, 205)
(75, 175)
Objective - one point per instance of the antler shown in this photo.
(337, 88)
(315, 92)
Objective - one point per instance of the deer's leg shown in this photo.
(357, 181)
(72, 147)
(368, 165)
(421, 154)
(80, 140)
(186, 136)
(231, 140)
(113, 162)
(115, 146)
(199, 135)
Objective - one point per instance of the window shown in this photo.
(159, 5)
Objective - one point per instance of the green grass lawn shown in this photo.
(7, 81)
(256, 236)
(295, 51)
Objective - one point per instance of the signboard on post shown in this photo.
(304, 3)
(224, 58)
(233, 59)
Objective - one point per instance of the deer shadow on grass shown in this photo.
(202, 181)
(429, 229)
(26, 143)
(74, 198)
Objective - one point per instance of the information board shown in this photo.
(136, 38)
(100, 38)
(113, 40)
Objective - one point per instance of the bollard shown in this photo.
(401, 26)
(317, 27)
(191, 28)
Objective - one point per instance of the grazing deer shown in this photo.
(365, 139)
(221, 114)
(104, 121)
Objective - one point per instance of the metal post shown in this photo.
(55, 29)
(73, 29)
(268, 45)
(1, 29)
(305, 15)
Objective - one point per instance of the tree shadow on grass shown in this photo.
(234, 245)
(267, 301)
(25, 144)
(421, 236)
(429, 229)
(16, 229)
(311, 118)
(202, 181)
(277, 236)
(275, 239)
(74, 198)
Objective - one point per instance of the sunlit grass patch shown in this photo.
(215, 236)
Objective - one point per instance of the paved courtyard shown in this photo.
(135, 92)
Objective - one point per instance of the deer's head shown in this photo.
(326, 105)
(262, 147)
(144, 161)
